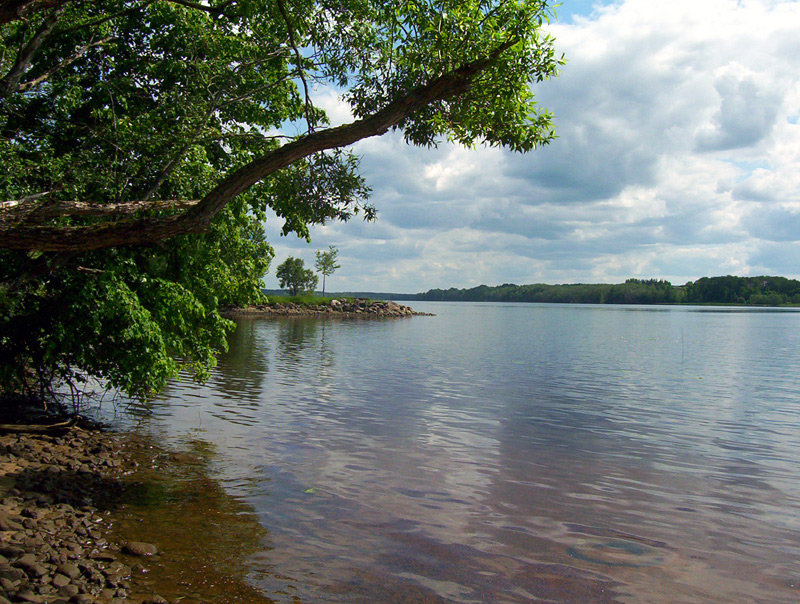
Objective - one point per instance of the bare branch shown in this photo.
(290, 30)
(4, 205)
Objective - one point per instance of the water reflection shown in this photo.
(243, 367)
(513, 452)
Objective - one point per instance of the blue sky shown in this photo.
(678, 157)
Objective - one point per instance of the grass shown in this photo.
(305, 300)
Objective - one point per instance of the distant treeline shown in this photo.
(760, 291)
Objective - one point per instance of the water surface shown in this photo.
(510, 452)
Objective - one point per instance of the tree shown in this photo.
(142, 142)
(294, 276)
(326, 263)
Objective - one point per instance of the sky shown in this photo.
(677, 157)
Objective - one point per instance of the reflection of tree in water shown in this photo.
(242, 367)
(294, 338)
(303, 346)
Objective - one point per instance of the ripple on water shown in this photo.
(616, 552)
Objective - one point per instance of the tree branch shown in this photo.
(14, 10)
(61, 209)
(309, 108)
(10, 82)
(197, 219)
(71, 59)
(213, 10)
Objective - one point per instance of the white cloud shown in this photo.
(677, 157)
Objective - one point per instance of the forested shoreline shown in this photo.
(753, 291)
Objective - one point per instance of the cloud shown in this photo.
(747, 111)
(677, 157)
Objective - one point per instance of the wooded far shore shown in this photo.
(751, 291)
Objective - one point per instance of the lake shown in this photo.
(509, 452)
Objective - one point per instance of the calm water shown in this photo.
(507, 453)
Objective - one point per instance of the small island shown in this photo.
(327, 307)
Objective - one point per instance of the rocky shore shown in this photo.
(358, 308)
(55, 495)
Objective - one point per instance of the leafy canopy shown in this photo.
(143, 142)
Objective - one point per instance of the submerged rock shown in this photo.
(139, 548)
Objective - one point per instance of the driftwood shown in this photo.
(39, 428)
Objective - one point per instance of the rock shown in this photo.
(26, 561)
(69, 569)
(11, 551)
(37, 570)
(9, 522)
(61, 580)
(11, 573)
(28, 596)
(69, 591)
(139, 548)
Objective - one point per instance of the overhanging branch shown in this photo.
(25, 211)
(150, 230)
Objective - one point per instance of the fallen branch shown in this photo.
(39, 428)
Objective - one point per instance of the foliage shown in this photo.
(325, 263)
(769, 291)
(764, 291)
(128, 116)
(295, 277)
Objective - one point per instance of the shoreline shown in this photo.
(358, 308)
(91, 515)
(56, 496)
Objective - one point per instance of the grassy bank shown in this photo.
(305, 300)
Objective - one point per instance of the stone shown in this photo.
(9, 522)
(11, 573)
(26, 561)
(139, 548)
(38, 570)
(69, 569)
(28, 596)
(69, 590)
(61, 580)
(9, 585)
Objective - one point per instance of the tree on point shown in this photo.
(325, 263)
(295, 277)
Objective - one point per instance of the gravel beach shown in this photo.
(55, 495)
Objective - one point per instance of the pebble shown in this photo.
(53, 547)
